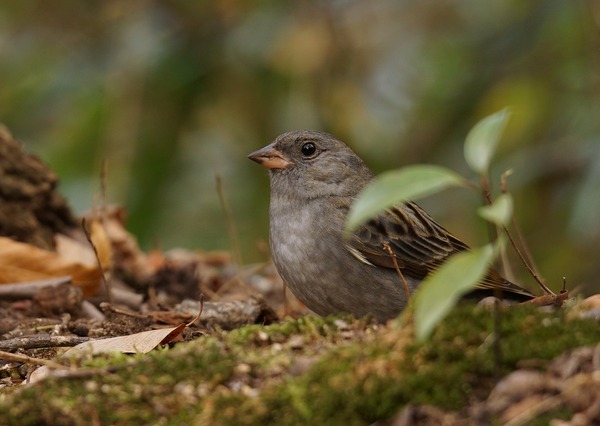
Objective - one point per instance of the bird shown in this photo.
(314, 178)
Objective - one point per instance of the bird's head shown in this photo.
(314, 164)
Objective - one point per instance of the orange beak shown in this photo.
(270, 158)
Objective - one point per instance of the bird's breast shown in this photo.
(301, 233)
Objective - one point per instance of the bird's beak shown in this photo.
(270, 158)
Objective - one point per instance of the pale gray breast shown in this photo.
(299, 235)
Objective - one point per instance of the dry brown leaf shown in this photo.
(12, 274)
(23, 262)
(134, 343)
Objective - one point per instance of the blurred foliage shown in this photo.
(171, 93)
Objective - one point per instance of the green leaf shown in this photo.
(481, 141)
(440, 290)
(500, 212)
(397, 186)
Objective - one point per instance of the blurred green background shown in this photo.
(170, 93)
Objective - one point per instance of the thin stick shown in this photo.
(521, 256)
(531, 271)
(237, 254)
(40, 341)
(387, 248)
(88, 236)
(28, 289)
(9, 356)
(516, 227)
(525, 258)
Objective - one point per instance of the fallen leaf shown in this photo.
(30, 263)
(142, 342)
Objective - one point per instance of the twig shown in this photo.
(531, 271)
(29, 289)
(516, 227)
(88, 236)
(9, 356)
(237, 254)
(228, 315)
(40, 341)
(549, 299)
(387, 248)
(76, 372)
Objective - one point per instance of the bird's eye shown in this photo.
(308, 149)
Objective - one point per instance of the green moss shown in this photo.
(360, 374)
(361, 384)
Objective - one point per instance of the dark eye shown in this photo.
(308, 149)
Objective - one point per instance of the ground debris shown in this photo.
(571, 383)
(61, 284)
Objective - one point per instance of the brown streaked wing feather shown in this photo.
(493, 282)
(420, 245)
(418, 242)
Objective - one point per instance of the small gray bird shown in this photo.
(314, 179)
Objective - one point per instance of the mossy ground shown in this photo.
(301, 371)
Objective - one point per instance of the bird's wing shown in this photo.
(419, 244)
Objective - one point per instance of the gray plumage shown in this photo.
(314, 178)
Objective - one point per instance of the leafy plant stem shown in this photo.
(486, 191)
(496, 314)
